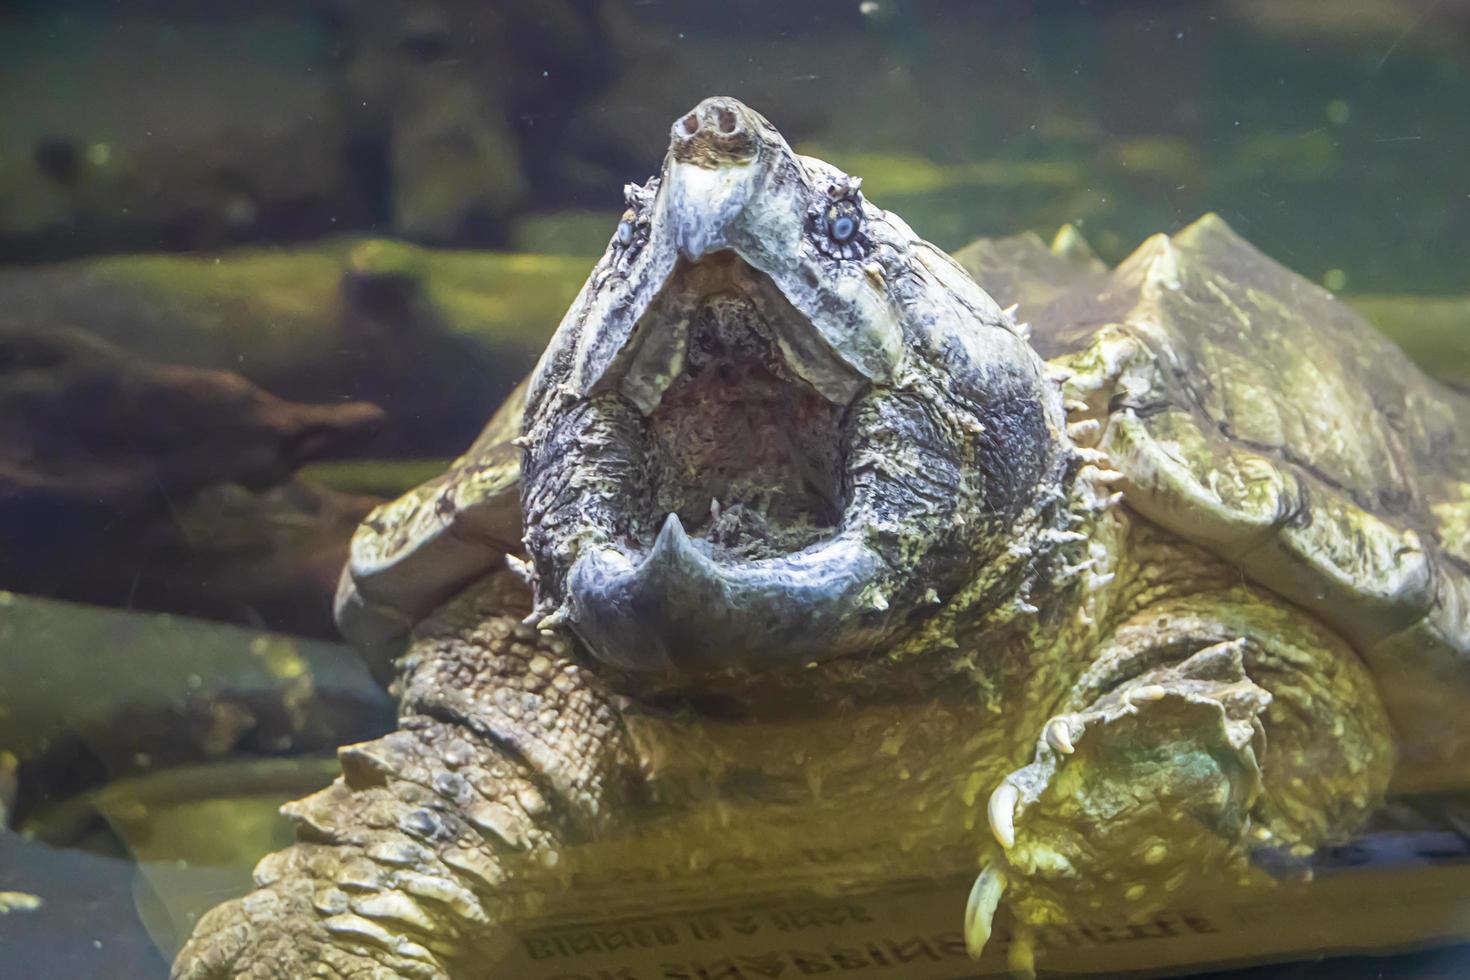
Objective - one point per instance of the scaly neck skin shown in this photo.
(1023, 632)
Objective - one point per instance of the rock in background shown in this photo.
(162, 486)
(183, 126)
(130, 127)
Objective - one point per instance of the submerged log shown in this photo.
(90, 428)
(105, 461)
(266, 558)
(438, 338)
(94, 694)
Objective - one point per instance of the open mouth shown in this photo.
(740, 447)
(724, 495)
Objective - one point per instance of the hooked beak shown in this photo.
(680, 606)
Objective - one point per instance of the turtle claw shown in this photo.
(522, 570)
(1001, 812)
(553, 620)
(1058, 734)
(985, 896)
(1147, 693)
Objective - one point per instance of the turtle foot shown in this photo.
(1130, 804)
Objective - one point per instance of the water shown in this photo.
(262, 269)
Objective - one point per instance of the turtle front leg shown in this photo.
(436, 835)
(1160, 788)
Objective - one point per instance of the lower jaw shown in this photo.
(675, 607)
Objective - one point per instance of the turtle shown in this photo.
(801, 563)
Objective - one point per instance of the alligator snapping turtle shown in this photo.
(823, 553)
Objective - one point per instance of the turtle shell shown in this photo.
(411, 554)
(1255, 414)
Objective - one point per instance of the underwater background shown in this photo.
(265, 265)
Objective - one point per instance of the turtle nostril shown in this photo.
(716, 132)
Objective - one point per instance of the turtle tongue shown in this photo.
(681, 603)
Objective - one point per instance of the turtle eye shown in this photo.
(629, 237)
(843, 220)
(634, 227)
(834, 220)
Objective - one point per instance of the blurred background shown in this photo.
(264, 265)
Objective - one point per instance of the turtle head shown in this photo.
(775, 426)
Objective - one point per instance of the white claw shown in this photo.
(521, 569)
(555, 619)
(1058, 734)
(1105, 477)
(985, 896)
(1011, 310)
(1074, 405)
(1001, 812)
(1146, 693)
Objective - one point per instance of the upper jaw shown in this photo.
(657, 351)
(753, 208)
